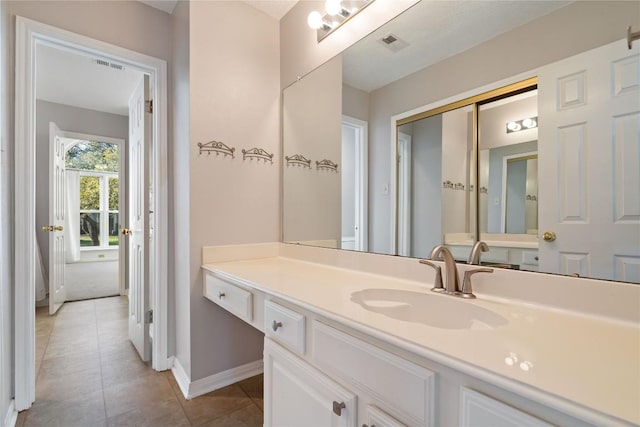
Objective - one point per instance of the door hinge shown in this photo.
(148, 106)
(148, 317)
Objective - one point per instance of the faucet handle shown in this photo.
(437, 283)
(466, 282)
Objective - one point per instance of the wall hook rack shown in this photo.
(298, 160)
(326, 165)
(632, 36)
(257, 153)
(217, 147)
(484, 190)
(458, 186)
(447, 184)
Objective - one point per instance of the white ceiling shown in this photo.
(71, 79)
(274, 8)
(431, 31)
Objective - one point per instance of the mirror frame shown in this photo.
(484, 97)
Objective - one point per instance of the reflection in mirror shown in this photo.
(434, 181)
(554, 178)
(507, 165)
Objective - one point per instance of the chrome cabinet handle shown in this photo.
(275, 325)
(338, 407)
(221, 295)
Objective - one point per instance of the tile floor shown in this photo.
(88, 374)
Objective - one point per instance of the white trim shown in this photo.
(181, 377)
(11, 416)
(28, 35)
(503, 201)
(403, 229)
(215, 381)
(225, 378)
(361, 129)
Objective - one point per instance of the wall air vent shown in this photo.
(393, 42)
(109, 64)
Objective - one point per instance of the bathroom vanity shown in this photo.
(355, 339)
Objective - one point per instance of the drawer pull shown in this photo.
(221, 295)
(338, 407)
(275, 325)
(367, 425)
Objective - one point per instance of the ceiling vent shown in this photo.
(393, 42)
(109, 64)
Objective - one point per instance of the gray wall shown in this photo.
(426, 188)
(234, 98)
(70, 119)
(578, 27)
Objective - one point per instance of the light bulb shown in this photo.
(513, 126)
(333, 7)
(315, 20)
(529, 123)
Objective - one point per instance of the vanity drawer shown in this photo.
(377, 418)
(285, 326)
(403, 388)
(232, 298)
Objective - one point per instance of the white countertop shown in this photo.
(585, 361)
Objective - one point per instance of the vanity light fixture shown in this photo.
(524, 124)
(336, 13)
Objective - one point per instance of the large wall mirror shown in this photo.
(448, 125)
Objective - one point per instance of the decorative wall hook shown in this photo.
(447, 184)
(299, 160)
(326, 165)
(532, 197)
(471, 187)
(217, 147)
(257, 153)
(458, 186)
(484, 190)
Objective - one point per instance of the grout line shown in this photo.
(104, 400)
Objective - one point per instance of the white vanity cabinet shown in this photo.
(478, 410)
(296, 394)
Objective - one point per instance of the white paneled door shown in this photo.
(55, 228)
(137, 232)
(589, 159)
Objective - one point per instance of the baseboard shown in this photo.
(11, 417)
(181, 377)
(216, 381)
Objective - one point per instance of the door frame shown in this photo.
(29, 34)
(123, 181)
(360, 128)
(404, 194)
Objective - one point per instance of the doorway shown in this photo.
(354, 178)
(29, 36)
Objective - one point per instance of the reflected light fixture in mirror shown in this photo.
(524, 124)
(336, 13)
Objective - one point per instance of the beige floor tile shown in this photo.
(254, 387)
(57, 388)
(108, 302)
(215, 404)
(249, 416)
(22, 416)
(166, 413)
(147, 391)
(87, 412)
(69, 365)
(88, 348)
(120, 372)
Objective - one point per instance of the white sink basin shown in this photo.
(439, 311)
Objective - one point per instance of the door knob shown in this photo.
(58, 228)
(47, 228)
(549, 236)
(126, 232)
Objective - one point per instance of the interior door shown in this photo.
(137, 232)
(589, 162)
(55, 228)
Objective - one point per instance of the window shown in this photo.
(99, 215)
(97, 164)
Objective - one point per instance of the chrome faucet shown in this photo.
(474, 256)
(452, 280)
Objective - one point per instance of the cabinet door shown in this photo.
(478, 410)
(377, 418)
(298, 395)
